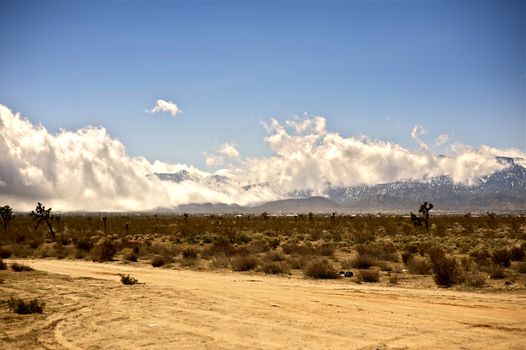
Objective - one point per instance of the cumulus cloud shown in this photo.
(309, 156)
(228, 150)
(165, 106)
(87, 169)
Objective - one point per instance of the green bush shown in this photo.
(22, 307)
(320, 269)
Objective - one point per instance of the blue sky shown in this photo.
(370, 68)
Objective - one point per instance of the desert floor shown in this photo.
(87, 307)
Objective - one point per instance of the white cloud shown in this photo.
(441, 139)
(165, 106)
(87, 169)
(214, 160)
(228, 150)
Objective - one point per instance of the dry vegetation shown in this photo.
(464, 251)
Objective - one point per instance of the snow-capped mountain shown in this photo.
(502, 191)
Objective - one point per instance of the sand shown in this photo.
(88, 308)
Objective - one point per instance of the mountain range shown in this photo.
(502, 191)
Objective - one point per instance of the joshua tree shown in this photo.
(424, 212)
(42, 214)
(7, 215)
(104, 221)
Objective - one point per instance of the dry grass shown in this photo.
(495, 245)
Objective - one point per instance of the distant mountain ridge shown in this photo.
(502, 191)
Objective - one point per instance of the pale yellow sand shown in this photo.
(181, 309)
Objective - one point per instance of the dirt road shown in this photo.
(88, 308)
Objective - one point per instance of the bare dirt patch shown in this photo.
(88, 307)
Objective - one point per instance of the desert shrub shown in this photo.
(362, 262)
(393, 278)
(383, 265)
(297, 262)
(501, 257)
(190, 253)
(5, 253)
(128, 280)
(325, 249)
(3, 265)
(274, 267)
(517, 254)
(475, 279)
(129, 254)
(361, 237)
(220, 245)
(406, 256)
(446, 271)
(369, 275)
(258, 246)
(158, 261)
(51, 250)
(273, 242)
(300, 249)
(104, 250)
(497, 272)
(22, 307)
(480, 257)
(274, 256)
(521, 267)
(320, 269)
(84, 244)
(379, 250)
(419, 265)
(244, 263)
(346, 264)
(220, 262)
(466, 263)
(20, 267)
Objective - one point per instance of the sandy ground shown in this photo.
(88, 308)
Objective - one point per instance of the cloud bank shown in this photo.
(87, 169)
(165, 106)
